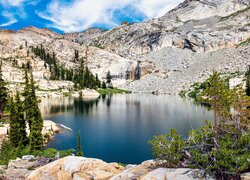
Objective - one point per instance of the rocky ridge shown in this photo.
(173, 51)
(209, 24)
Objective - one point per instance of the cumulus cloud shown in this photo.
(82, 14)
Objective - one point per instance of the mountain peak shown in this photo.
(202, 9)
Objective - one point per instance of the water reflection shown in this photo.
(73, 105)
(117, 128)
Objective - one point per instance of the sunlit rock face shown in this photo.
(209, 24)
(173, 51)
(73, 167)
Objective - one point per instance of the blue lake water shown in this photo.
(117, 128)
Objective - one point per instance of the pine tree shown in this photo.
(248, 82)
(109, 78)
(79, 148)
(76, 55)
(240, 104)
(217, 94)
(104, 85)
(27, 98)
(35, 138)
(3, 92)
(17, 122)
(97, 81)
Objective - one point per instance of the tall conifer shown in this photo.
(217, 94)
(79, 147)
(248, 82)
(3, 92)
(35, 138)
(17, 122)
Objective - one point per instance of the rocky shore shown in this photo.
(49, 130)
(81, 168)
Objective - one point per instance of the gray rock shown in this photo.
(28, 157)
(245, 176)
(174, 174)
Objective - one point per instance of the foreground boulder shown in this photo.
(80, 168)
(151, 170)
(245, 176)
(73, 167)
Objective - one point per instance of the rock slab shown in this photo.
(72, 168)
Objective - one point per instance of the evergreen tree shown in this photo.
(240, 104)
(104, 85)
(17, 122)
(32, 113)
(27, 98)
(7, 152)
(109, 78)
(35, 138)
(217, 94)
(248, 82)
(86, 77)
(82, 78)
(97, 81)
(79, 148)
(76, 55)
(3, 92)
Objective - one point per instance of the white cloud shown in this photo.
(12, 2)
(10, 17)
(82, 14)
(14, 9)
(156, 8)
(8, 23)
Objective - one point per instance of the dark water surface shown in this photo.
(117, 128)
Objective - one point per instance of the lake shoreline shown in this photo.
(129, 121)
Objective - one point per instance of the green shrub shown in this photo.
(169, 150)
(65, 153)
(112, 91)
(9, 152)
(225, 159)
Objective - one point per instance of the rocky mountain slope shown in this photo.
(170, 53)
(209, 24)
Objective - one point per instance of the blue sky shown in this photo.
(78, 15)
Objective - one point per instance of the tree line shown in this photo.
(81, 76)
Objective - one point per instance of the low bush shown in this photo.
(225, 159)
(9, 152)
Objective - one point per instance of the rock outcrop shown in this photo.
(49, 130)
(90, 94)
(72, 168)
(173, 51)
(209, 24)
(81, 168)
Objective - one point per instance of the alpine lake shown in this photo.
(117, 128)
